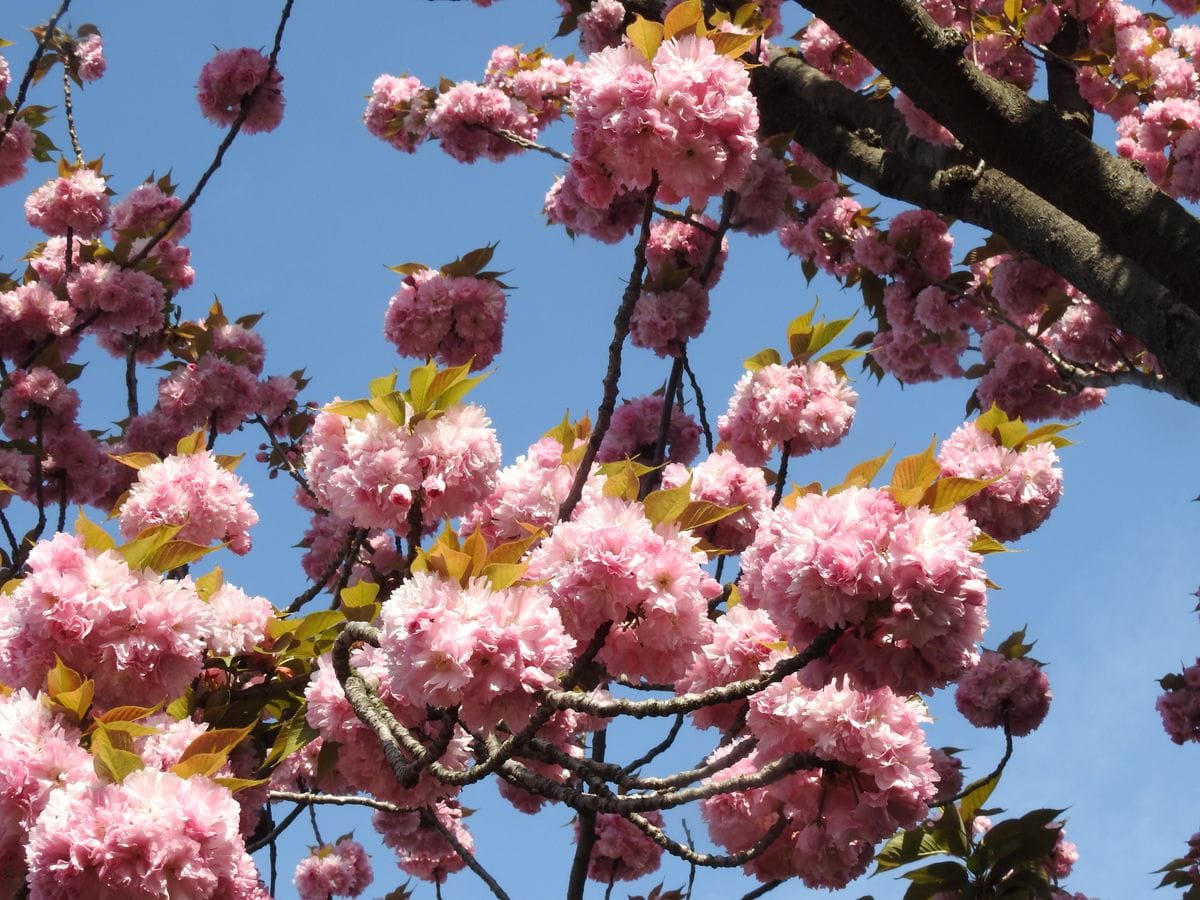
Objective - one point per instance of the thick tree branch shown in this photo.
(1024, 138)
(867, 140)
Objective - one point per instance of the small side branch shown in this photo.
(613, 376)
(430, 820)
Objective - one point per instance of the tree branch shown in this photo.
(867, 140)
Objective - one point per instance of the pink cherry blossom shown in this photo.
(89, 54)
(486, 651)
(453, 319)
(999, 690)
(1027, 487)
(1179, 705)
(633, 432)
(722, 480)
(341, 870)
(15, 151)
(153, 835)
(144, 211)
(138, 635)
(398, 111)
(609, 564)
(808, 407)
(76, 202)
(421, 850)
(622, 852)
(229, 77)
(470, 120)
(193, 491)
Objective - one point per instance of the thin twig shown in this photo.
(275, 832)
(525, 143)
(781, 479)
(688, 702)
(763, 889)
(69, 110)
(226, 143)
(658, 749)
(586, 839)
(430, 820)
(700, 408)
(348, 550)
(337, 800)
(613, 376)
(290, 467)
(710, 860)
(996, 772)
(131, 386)
(31, 70)
(652, 478)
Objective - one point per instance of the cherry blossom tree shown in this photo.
(473, 615)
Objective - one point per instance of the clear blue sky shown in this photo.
(301, 222)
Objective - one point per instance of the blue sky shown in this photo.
(302, 222)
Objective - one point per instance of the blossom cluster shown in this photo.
(232, 76)
(687, 115)
(485, 651)
(611, 564)
(1026, 487)
(370, 471)
(832, 817)
(902, 583)
(1003, 691)
(193, 491)
(801, 407)
(1179, 705)
(340, 870)
(453, 319)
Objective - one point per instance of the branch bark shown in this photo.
(868, 141)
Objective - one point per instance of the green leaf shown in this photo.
(469, 264)
(936, 878)
(316, 623)
(683, 18)
(913, 475)
(622, 480)
(978, 795)
(946, 493)
(667, 505)
(192, 443)
(985, 543)
(699, 513)
(233, 785)
(862, 474)
(351, 409)
(113, 757)
(209, 584)
(419, 380)
(408, 268)
(762, 359)
(993, 246)
(390, 405)
(504, 575)
(383, 385)
(1014, 646)
(93, 536)
(138, 460)
(293, 734)
(825, 332)
(359, 595)
(210, 751)
(733, 44)
(646, 36)
(174, 554)
(909, 846)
